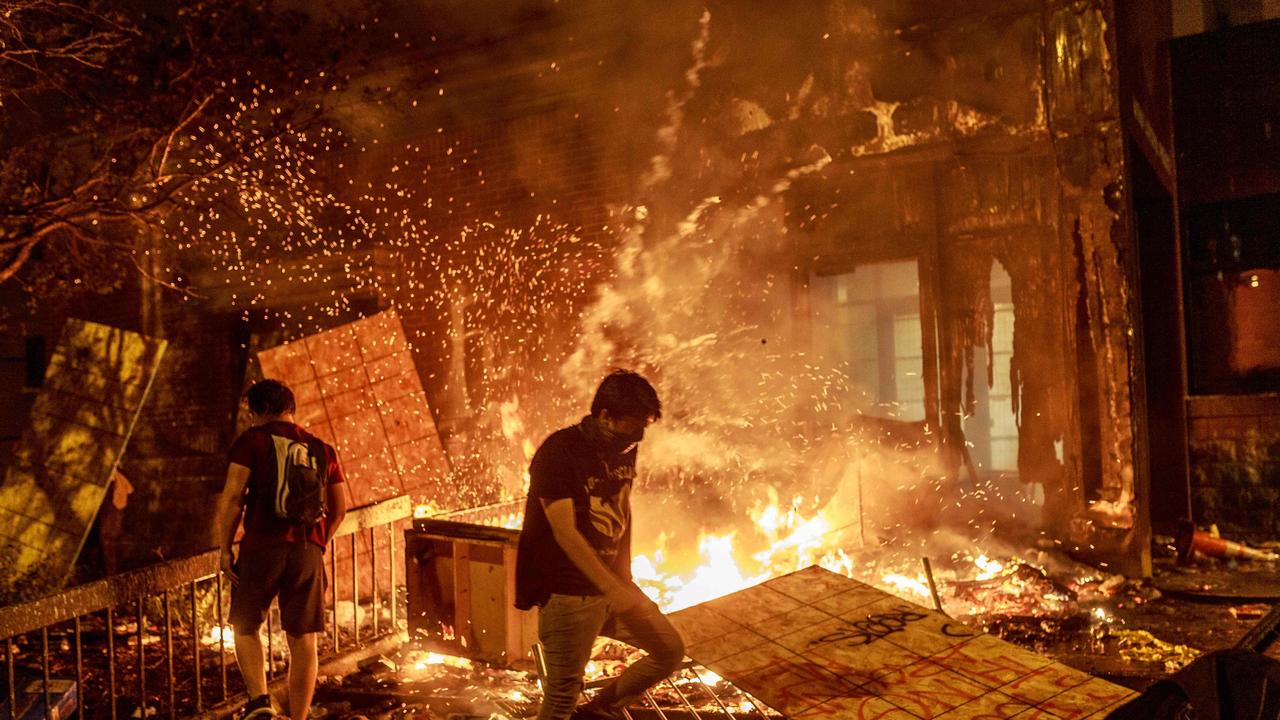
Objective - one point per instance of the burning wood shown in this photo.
(970, 583)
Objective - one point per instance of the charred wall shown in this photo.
(1227, 101)
(963, 134)
(965, 137)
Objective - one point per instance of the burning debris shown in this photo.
(414, 683)
(1142, 646)
(1036, 598)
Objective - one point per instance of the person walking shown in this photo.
(287, 485)
(574, 555)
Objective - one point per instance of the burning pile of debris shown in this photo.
(1037, 598)
(424, 685)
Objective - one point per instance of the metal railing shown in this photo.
(184, 578)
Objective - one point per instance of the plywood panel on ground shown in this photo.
(815, 645)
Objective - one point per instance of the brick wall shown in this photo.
(176, 458)
(1235, 464)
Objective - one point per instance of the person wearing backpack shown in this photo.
(287, 485)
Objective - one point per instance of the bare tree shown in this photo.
(42, 42)
(128, 134)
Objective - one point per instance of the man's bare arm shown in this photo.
(335, 498)
(230, 507)
(621, 595)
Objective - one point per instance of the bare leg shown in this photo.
(304, 663)
(252, 663)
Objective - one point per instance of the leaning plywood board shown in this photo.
(97, 380)
(356, 387)
(815, 645)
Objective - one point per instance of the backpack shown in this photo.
(302, 471)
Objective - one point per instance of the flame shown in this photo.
(789, 541)
(509, 415)
(989, 568)
(221, 634)
(421, 661)
(903, 585)
(708, 677)
(513, 429)
(782, 538)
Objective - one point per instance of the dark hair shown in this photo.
(626, 394)
(270, 397)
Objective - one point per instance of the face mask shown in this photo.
(633, 438)
(621, 442)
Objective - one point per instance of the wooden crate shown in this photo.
(461, 581)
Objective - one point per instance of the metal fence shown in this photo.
(181, 582)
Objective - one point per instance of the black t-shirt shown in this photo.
(571, 464)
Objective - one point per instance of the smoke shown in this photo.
(698, 292)
(763, 446)
(760, 442)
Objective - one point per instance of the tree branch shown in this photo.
(158, 172)
(17, 259)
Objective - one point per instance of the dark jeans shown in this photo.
(568, 626)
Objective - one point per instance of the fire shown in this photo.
(221, 634)
(902, 585)
(718, 575)
(422, 661)
(989, 568)
(789, 542)
(708, 677)
(513, 429)
(782, 538)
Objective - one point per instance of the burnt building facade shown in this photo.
(972, 212)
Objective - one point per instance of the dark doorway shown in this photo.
(1165, 422)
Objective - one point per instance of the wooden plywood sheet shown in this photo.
(97, 379)
(816, 645)
(357, 388)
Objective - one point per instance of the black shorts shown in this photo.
(295, 572)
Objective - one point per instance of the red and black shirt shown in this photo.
(256, 450)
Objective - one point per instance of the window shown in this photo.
(1232, 276)
(866, 324)
(992, 430)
